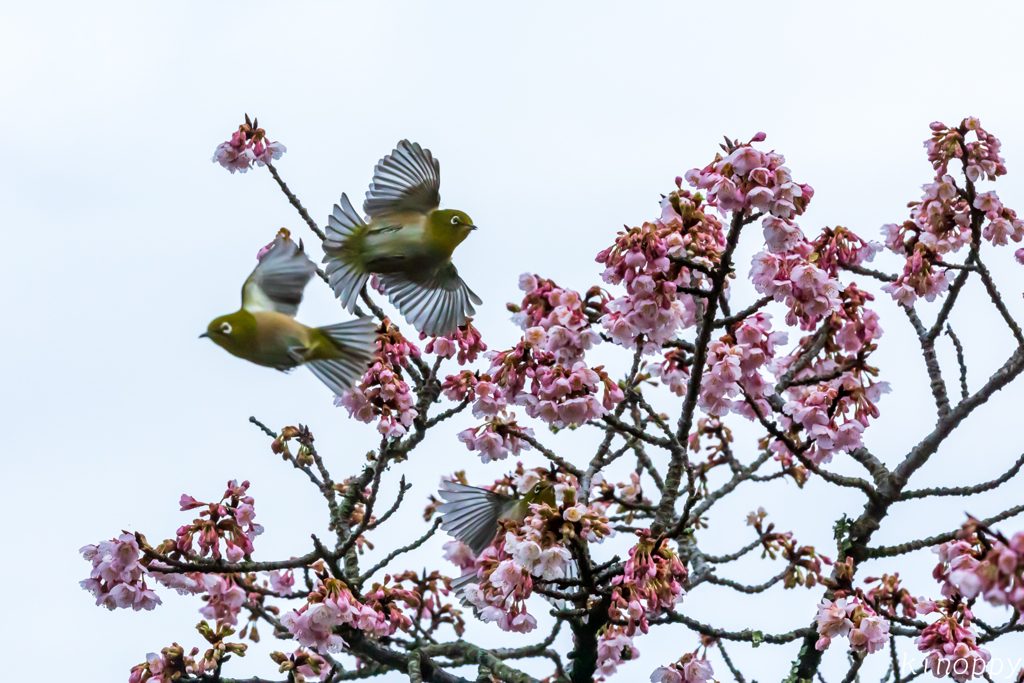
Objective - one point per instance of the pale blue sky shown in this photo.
(555, 124)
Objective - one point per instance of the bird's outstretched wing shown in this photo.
(470, 514)
(408, 179)
(435, 301)
(346, 267)
(277, 282)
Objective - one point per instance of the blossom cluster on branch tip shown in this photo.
(302, 665)
(850, 618)
(433, 591)
(950, 643)
(613, 648)
(248, 145)
(834, 412)
(383, 393)
(173, 662)
(804, 563)
(734, 367)
(332, 604)
(118, 578)
(230, 520)
(651, 583)
(556, 320)
(641, 259)
(560, 396)
(496, 438)
(689, 669)
(465, 343)
(949, 216)
(990, 567)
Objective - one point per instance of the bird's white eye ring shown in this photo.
(225, 328)
(455, 220)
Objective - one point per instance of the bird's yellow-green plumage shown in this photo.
(264, 330)
(472, 515)
(407, 240)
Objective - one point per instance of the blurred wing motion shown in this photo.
(355, 343)
(471, 515)
(277, 282)
(407, 180)
(346, 267)
(435, 301)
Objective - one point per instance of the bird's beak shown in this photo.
(471, 226)
(205, 334)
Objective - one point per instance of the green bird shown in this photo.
(408, 242)
(264, 330)
(471, 515)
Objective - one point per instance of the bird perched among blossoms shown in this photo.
(472, 515)
(264, 330)
(408, 241)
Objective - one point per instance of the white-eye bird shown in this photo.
(471, 515)
(408, 242)
(264, 330)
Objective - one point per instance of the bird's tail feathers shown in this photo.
(357, 340)
(346, 270)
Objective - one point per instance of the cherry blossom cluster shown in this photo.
(332, 604)
(613, 648)
(558, 320)
(461, 386)
(889, 595)
(248, 145)
(231, 519)
(168, 666)
(734, 364)
(673, 370)
(172, 663)
(563, 397)
(835, 412)
(282, 582)
(803, 562)
(980, 158)
(559, 396)
(944, 219)
(628, 495)
(465, 342)
(993, 570)
(689, 669)
(433, 589)
(382, 392)
(950, 643)
(118, 578)
(301, 665)
(224, 598)
(641, 260)
(651, 583)
(750, 179)
(496, 438)
(850, 618)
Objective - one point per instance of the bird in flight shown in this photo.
(407, 241)
(264, 330)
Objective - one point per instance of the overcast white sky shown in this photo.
(555, 124)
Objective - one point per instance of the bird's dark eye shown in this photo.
(225, 328)
(455, 220)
